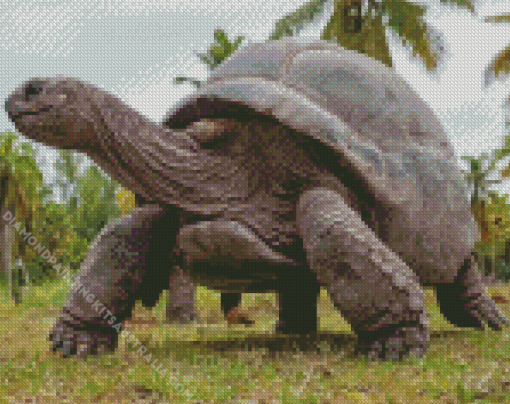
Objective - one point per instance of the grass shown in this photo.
(216, 362)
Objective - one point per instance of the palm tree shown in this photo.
(478, 179)
(20, 194)
(6, 232)
(361, 25)
(498, 68)
(355, 24)
(500, 64)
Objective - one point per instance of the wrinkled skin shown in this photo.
(180, 306)
(466, 300)
(135, 250)
(116, 261)
(264, 234)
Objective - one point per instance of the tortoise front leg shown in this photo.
(127, 261)
(373, 288)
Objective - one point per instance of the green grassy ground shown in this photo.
(214, 362)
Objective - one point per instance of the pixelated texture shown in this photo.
(255, 170)
(369, 116)
(325, 168)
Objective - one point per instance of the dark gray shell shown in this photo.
(372, 118)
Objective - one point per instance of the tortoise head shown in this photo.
(57, 111)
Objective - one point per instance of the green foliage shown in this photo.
(216, 365)
(53, 229)
(218, 52)
(22, 190)
(360, 25)
(64, 229)
(67, 168)
(503, 271)
(295, 21)
(89, 204)
(497, 233)
(468, 4)
(97, 203)
(490, 209)
(498, 215)
(499, 67)
(408, 21)
(359, 28)
(126, 201)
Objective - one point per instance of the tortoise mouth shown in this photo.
(24, 124)
(45, 109)
(17, 116)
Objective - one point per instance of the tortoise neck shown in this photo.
(129, 130)
(152, 161)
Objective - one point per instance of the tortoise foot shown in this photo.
(465, 309)
(180, 315)
(301, 329)
(466, 302)
(180, 308)
(82, 342)
(235, 316)
(393, 343)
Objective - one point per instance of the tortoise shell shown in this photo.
(372, 119)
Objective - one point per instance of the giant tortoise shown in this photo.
(322, 167)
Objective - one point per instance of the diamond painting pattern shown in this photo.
(293, 219)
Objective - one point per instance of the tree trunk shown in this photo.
(15, 282)
(493, 267)
(5, 247)
(487, 265)
(7, 237)
(507, 251)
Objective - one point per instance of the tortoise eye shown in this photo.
(33, 90)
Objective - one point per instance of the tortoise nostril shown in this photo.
(33, 89)
(8, 106)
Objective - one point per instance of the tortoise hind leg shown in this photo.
(298, 297)
(229, 301)
(466, 302)
(222, 249)
(373, 288)
(180, 307)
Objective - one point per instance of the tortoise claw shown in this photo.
(491, 315)
(81, 342)
(466, 302)
(393, 344)
(180, 315)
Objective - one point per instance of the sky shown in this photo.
(134, 49)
